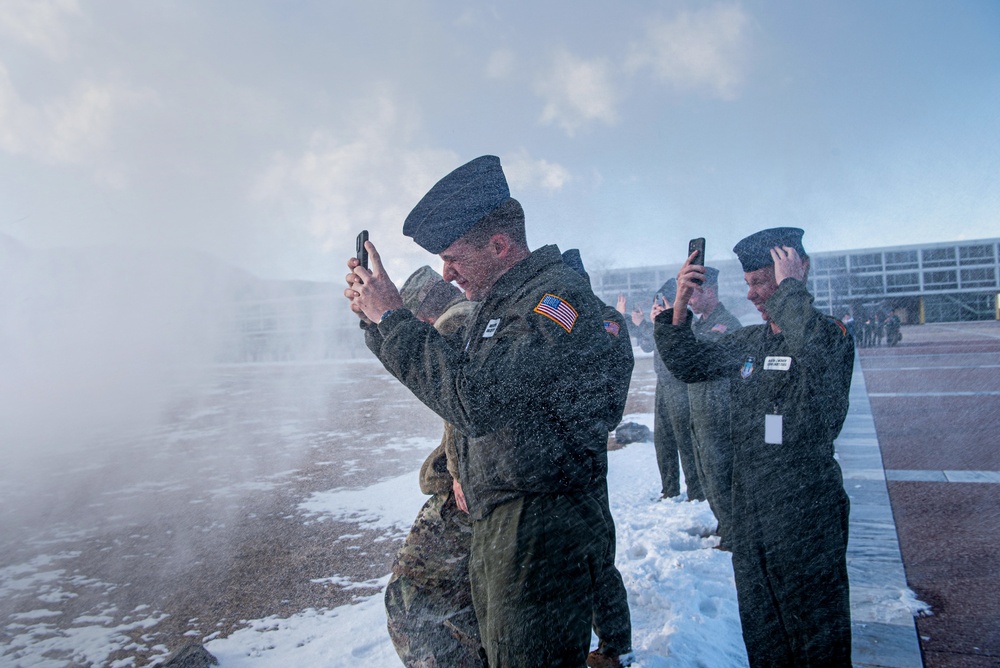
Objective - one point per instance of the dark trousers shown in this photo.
(713, 448)
(535, 565)
(612, 620)
(790, 564)
(672, 439)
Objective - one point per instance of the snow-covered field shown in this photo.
(681, 591)
(260, 516)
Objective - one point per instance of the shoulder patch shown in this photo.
(720, 328)
(557, 309)
(840, 325)
(612, 327)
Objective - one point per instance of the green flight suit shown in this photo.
(710, 437)
(790, 510)
(530, 391)
(671, 427)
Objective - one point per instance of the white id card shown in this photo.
(772, 429)
(491, 328)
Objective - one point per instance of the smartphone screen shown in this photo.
(362, 252)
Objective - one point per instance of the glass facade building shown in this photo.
(941, 282)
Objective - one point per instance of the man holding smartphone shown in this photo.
(672, 415)
(789, 383)
(528, 390)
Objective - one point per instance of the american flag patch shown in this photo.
(720, 328)
(611, 327)
(556, 309)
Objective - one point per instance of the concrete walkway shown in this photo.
(874, 561)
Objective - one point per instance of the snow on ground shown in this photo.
(681, 591)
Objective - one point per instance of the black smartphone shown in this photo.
(362, 252)
(697, 245)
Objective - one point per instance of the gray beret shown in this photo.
(669, 290)
(711, 276)
(754, 251)
(456, 203)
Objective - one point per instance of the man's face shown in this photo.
(760, 286)
(473, 270)
(703, 299)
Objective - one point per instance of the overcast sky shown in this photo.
(269, 133)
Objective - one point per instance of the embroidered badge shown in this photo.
(491, 328)
(554, 308)
(747, 368)
(611, 327)
(720, 328)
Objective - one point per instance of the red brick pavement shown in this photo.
(949, 532)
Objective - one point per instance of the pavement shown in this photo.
(920, 462)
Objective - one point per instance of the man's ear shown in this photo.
(501, 244)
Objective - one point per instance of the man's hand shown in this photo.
(371, 292)
(658, 307)
(787, 264)
(456, 487)
(690, 277)
(637, 315)
(620, 307)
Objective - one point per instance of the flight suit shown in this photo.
(789, 397)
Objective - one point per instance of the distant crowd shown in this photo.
(868, 333)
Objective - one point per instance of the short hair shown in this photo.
(508, 219)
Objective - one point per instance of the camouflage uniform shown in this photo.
(428, 600)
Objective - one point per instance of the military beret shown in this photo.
(669, 290)
(754, 251)
(711, 276)
(456, 203)
(426, 294)
(575, 262)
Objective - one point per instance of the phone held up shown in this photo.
(697, 245)
(362, 252)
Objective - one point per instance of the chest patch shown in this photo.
(747, 369)
(559, 310)
(777, 363)
(720, 328)
(491, 328)
(611, 327)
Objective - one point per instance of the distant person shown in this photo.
(848, 321)
(710, 428)
(789, 383)
(529, 391)
(878, 330)
(893, 334)
(672, 416)
(428, 601)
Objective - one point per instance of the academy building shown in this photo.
(921, 283)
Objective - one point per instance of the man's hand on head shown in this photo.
(787, 264)
(371, 291)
